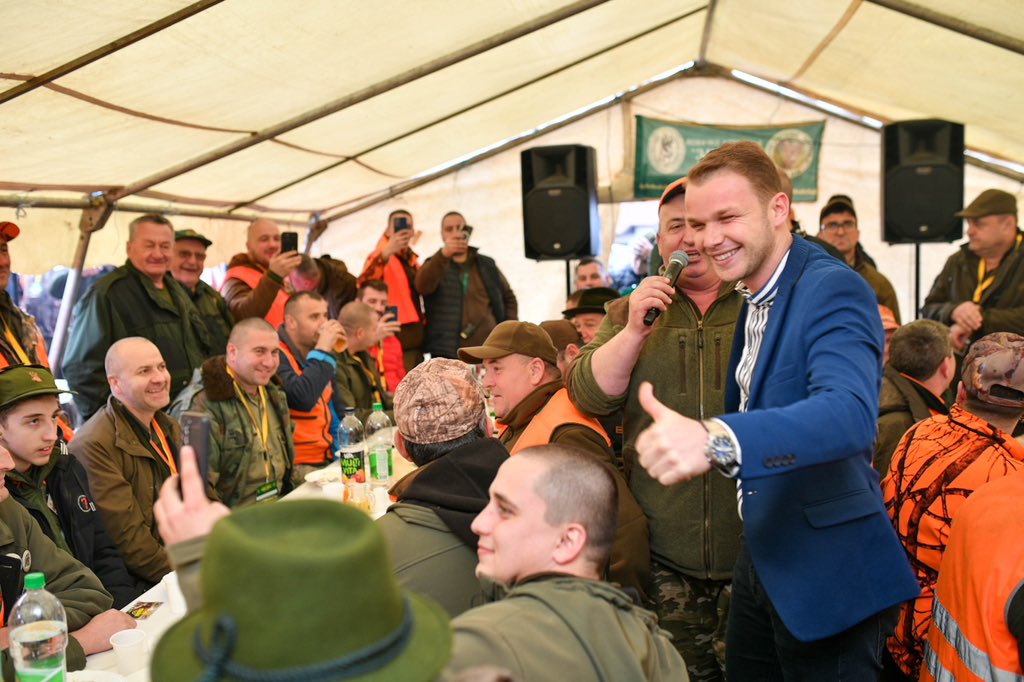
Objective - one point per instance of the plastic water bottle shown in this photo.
(39, 634)
(351, 447)
(379, 442)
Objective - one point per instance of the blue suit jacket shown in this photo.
(813, 517)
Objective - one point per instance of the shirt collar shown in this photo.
(768, 291)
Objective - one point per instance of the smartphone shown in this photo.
(401, 224)
(289, 241)
(466, 231)
(392, 310)
(195, 431)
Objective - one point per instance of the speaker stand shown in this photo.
(568, 279)
(917, 280)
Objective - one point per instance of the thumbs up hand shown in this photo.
(672, 448)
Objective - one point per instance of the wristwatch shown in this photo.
(720, 449)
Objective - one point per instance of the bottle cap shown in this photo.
(377, 407)
(35, 581)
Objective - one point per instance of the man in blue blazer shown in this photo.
(818, 582)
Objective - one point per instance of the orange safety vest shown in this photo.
(982, 568)
(252, 277)
(312, 435)
(558, 411)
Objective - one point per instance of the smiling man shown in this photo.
(808, 601)
(187, 263)
(251, 448)
(545, 536)
(695, 530)
(256, 284)
(128, 449)
(140, 298)
(532, 408)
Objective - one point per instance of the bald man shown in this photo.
(129, 448)
(358, 380)
(256, 284)
(247, 463)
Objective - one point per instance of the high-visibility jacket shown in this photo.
(981, 570)
(312, 435)
(252, 277)
(558, 411)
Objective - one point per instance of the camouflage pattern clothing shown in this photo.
(694, 611)
(213, 309)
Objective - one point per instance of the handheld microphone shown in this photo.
(677, 262)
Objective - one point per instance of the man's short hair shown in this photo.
(743, 158)
(112, 360)
(356, 315)
(919, 347)
(588, 260)
(375, 284)
(243, 328)
(578, 488)
(147, 218)
(398, 211)
(786, 182)
(297, 298)
(307, 268)
(451, 213)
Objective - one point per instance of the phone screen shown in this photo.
(401, 224)
(392, 310)
(289, 241)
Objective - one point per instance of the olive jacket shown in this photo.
(125, 476)
(695, 527)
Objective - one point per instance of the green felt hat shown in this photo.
(303, 590)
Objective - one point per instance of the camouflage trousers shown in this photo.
(694, 611)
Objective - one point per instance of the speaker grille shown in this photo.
(552, 221)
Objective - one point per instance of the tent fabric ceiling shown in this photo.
(242, 66)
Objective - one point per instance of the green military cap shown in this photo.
(512, 337)
(18, 382)
(990, 202)
(191, 234)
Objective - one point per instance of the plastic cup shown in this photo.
(131, 648)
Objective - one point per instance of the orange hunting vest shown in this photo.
(312, 433)
(558, 411)
(968, 639)
(252, 277)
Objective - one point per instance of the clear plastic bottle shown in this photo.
(380, 443)
(351, 447)
(39, 633)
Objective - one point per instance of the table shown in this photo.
(314, 491)
(154, 626)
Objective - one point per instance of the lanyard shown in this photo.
(380, 365)
(984, 283)
(163, 449)
(261, 427)
(18, 350)
(373, 381)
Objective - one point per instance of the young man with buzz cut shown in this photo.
(545, 537)
(51, 484)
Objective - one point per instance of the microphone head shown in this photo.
(679, 257)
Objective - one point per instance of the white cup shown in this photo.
(335, 490)
(175, 599)
(131, 648)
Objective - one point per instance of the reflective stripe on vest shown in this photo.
(559, 411)
(312, 435)
(974, 660)
(252, 277)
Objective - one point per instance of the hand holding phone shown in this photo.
(289, 241)
(195, 431)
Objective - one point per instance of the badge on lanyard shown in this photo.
(267, 491)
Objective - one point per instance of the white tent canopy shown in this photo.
(327, 110)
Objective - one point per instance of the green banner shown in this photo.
(666, 150)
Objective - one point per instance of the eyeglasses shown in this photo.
(845, 225)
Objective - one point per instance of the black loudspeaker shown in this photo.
(560, 219)
(922, 181)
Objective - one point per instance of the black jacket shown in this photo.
(81, 528)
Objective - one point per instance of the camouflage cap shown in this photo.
(512, 337)
(18, 382)
(994, 370)
(562, 333)
(438, 401)
(191, 234)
